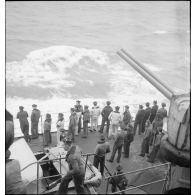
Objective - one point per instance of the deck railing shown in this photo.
(55, 159)
(142, 185)
(106, 178)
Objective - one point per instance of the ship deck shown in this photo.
(134, 162)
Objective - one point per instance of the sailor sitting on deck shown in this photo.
(76, 172)
(119, 181)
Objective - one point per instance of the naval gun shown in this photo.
(175, 144)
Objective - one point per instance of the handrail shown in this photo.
(135, 187)
(149, 72)
(150, 79)
(55, 159)
(86, 162)
(147, 168)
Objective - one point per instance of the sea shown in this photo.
(60, 51)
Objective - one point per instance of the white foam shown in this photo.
(160, 32)
(50, 65)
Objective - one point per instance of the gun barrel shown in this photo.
(147, 76)
(146, 70)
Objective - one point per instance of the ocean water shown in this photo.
(58, 52)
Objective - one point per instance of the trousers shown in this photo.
(79, 125)
(113, 129)
(71, 132)
(78, 181)
(34, 129)
(145, 146)
(103, 123)
(135, 127)
(99, 160)
(25, 131)
(126, 148)
(154, 153)
(85, 129)
(94, 123)
(114, 150)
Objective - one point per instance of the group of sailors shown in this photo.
(148, 121)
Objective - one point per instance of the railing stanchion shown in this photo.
(60, 165)
(86, 162)
(37, 177)
(107, 184)
(42, 131)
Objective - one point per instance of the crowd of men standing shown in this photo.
(120, 127)
(112, 118)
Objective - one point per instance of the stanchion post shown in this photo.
(86, 162)
(42, 131)
(60, 165)
(107, 184)
(37, 177)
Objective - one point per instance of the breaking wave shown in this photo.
(55, 76)
(76, 72)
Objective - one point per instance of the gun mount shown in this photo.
(175, 145)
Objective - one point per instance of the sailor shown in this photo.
(86, 120)
(105, 113)
(14, 183)
(119, 181)
(156, 147)
(126, 116)
(76, 170)
(72, 123)
(35, 115)
(146, 116)
(24, 124)
(146, 139)
(47, 129)
(115, 119)
(129, 136)
(118, 144)
(154, 110)
(79, 110)
(102, 148)
(60, 126)
(158, 122)
(95, 113)
(163, 111)
(139, 119)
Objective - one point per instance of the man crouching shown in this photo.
(76, 170)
